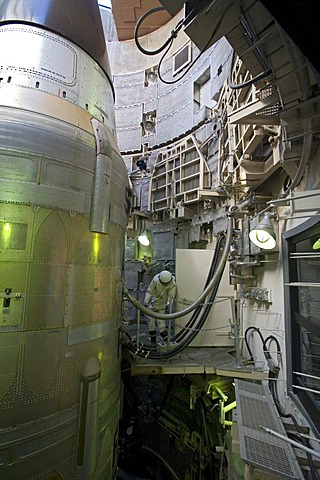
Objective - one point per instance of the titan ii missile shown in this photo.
(63, 214)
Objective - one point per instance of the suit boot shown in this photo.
(164, 335)
(153, 338)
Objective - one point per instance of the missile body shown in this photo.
(63, 213)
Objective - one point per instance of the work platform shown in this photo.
(195, 360)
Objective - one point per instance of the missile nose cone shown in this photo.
(78, 21)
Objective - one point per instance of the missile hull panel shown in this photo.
(63, 214)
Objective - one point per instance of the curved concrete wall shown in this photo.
(174, 105)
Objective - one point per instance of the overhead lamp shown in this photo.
(263, 235)
(143, 238)
(149, 123)
(151, 77)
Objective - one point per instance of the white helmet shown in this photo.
(165, 276)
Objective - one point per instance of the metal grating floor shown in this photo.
(255, 408)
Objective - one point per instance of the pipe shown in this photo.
(311, 390)
(207, 290)
(236, 333)
(292, 442)
(236, 263)
(310, 438)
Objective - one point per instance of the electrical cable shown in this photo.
(206, 291)
(167, 82)
(246, 340)
(207, 307)
(147, 352)
(189, 334)
(186, 335)
(136, 32)
(197, 311)
(250, 82)
(168, 43)
(174, 32)
(163, 462)
(273, 369)
(152, 352)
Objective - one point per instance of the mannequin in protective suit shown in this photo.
(160, 294)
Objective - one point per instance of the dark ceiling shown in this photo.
(300, 19)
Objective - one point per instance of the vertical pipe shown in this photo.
(138, 325)
(169, 334)
(169, 323)
(236, 333)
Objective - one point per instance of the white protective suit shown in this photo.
(158, 298)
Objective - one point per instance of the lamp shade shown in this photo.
(143, 238)
(151, 77)
(263, 235)
(315, 242)
(149, 123)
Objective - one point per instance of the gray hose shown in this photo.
(302, 76)
(305, 157)
(206, 291)
(252, 81)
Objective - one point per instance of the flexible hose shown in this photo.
(193, 320)
(191, 335)
(151, 352)
(246, 340)
(305, 157)
(166, 43)
(205, 293)
(253, 80)
(171, 82)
